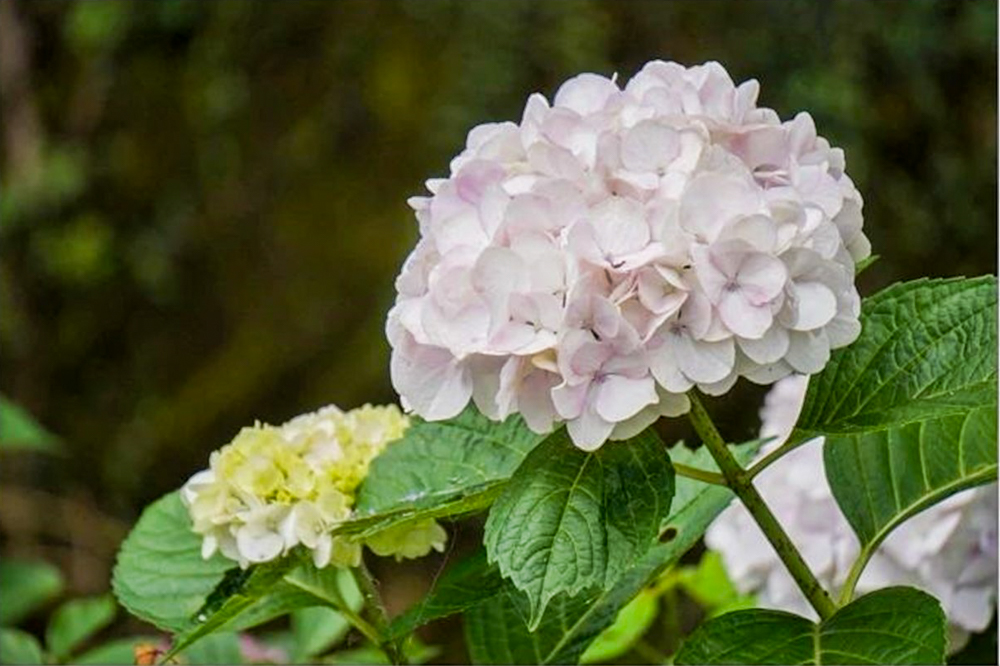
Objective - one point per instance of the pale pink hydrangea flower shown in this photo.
(621, 245)
(949, 550)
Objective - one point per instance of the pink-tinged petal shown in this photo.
(499, 271)
(617, 398)
(815, 305)
(649, 146)
(431, 380)
(696, 315)
(588, 431)
(763, 374)
(768, 348)
(742, 318)
(535, 401)
(761, 278)
(808, 351)
(757, 231)
(713, 200)
(585, 93)
(705, 362)
(486, 384)
(569, 400)
(619, 226)
(712, 277)
(663, 363)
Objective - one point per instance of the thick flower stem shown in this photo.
(377, 614)
(740, 483)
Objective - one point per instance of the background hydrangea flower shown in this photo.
(621, 245)
(274, 488)
(949, 550)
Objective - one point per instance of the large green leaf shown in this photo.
(630, 624)
(497, 628)
(76, 621)
(909, 410)
(571, 520)
(440, 469)
(27, 586)
(897, 625)
(160, 575)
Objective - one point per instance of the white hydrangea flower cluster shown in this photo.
(949, 550)
(274, 488)
(621, 245)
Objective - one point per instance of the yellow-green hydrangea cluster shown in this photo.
(274, 488)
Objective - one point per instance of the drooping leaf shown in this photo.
(76, 621)
(439, 469)
(571, 520)
(27, 586)
(19, 647)
(909, 409)
(160, 576)
(897, 625)
(19, 430)
(497, 629)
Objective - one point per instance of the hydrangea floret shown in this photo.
(621, 245)
(275, 488)
(948, 550)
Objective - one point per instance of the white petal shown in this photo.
(815, 305)
(761, 278)
(569, 401)
(589, 430)
(585, 93)
(435, 384)
(649, 146)
(767, 349)
(808, 352)
(742, 318)
(705, 362)
(620, 226)
(258, 544)
(617, 398)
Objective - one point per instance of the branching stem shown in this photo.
(740, 483)
(700, 474)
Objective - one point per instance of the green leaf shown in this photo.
(317, 629)
(570, 520)
(218, 648)
(76, 621)
(709, 585)
(239, 593)
(19, 647)
(909, 410)
(463, 585)
(439, 469)
(18, 430)
(897, 625)
(118, 651)
(497, 629)
(27, 586)
(631, 623)
(160, 576)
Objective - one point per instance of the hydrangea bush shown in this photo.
(608, 261)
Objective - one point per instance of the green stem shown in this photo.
(377, 614)
(847, 591)
(700, 474)
(740, 483)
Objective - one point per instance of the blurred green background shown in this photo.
(203, 204)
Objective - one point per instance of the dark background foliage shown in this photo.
(203, 204)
